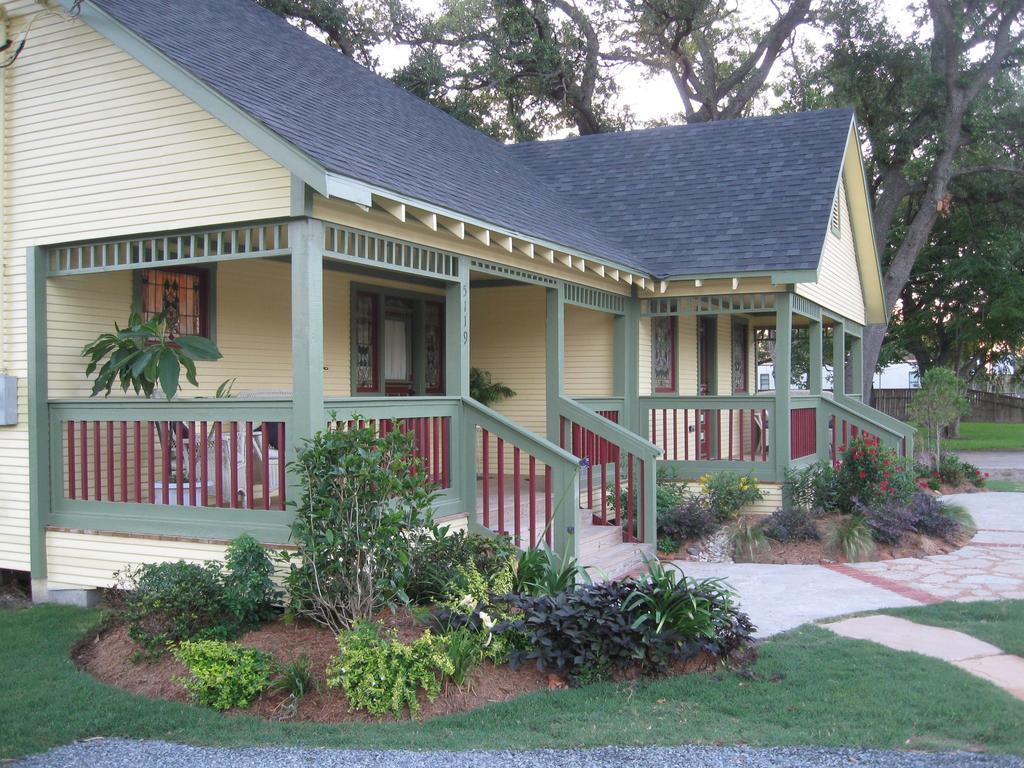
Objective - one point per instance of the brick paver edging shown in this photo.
(880, 581)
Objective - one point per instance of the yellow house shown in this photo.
(354, 252)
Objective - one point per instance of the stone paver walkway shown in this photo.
(991, 567)
(970, 654)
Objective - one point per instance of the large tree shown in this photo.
(925, 102)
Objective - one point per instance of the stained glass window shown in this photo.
(433, 344)
(182, 298)
(366, 342)
(663, 353)
(739, 357)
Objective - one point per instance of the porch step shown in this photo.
(616, 561)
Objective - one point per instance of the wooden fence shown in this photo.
(985, 406)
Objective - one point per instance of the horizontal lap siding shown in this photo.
(839, 286)
(589, 352)
(96, 145)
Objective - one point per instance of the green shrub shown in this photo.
(852, 539)
(435, 557)
(383, 675)
(667, 544)
(955, 471)
(365, 500)
(465, 651)
(554, 575)
(748, 541)
(166, 603)
(791, 523)
(669, 494)
(248, 590)
(814, 488)
(729, 492)
(224, 675)
(692, 518)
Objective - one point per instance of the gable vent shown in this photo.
(836, 216)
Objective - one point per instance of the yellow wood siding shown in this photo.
(772, 498)
(589, 353)
(96, 145)
(507, 330)
(839, 286)
(645, 357)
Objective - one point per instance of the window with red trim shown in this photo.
(182, 295)
(663, 353)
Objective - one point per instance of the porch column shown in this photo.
(554, 364)
(839, 358)
(856, 367)
(38, 421)
(456, 377)
(780, 437)
(815, 358)
(306, 240)
(627, 362)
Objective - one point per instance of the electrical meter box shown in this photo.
(8, 401)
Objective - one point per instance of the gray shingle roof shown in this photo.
(736, 196)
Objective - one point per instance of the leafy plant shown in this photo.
(939, 403)
(852, 539)
(791, 523)
(435, 556)
(888, 521)
(596, 628)
(748, 540)
(667, 544)
(556, 575)
(294, 678)
(729, 492)
(960, 517)
(224, 675)
(814, 488)
(955, 471)
(166, 603)
(465, 650)
(365, 500)
(383, 675)
(142, 355)
(249, 591)
(692, 518)
(484, 390)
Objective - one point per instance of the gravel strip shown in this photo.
(118, 753)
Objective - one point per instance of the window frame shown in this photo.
(673, 325)
(207, 295)
(419, 302)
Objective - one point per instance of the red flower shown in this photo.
(863, 474)
(884, 485)
(885, 463)
(887, 474)
(986, 474)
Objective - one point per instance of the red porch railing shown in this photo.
(431, 441)
(803, 436)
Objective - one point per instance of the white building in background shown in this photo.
(902, 375)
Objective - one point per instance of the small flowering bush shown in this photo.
(729, 492)
(224, 675)
(872, 475)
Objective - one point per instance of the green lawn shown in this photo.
(809, 687)
(1011, 486)
(976, 436)
(998, 622)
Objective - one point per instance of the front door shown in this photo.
(398, 330)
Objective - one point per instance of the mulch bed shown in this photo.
(112, 657)
(814, 552)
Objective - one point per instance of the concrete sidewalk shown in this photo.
(991, 567)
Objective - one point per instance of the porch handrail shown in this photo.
(888, 427)
(565, 470)
(608, 430)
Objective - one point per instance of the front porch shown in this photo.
(326, 326)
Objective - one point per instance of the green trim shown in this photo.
(839, 358)
(764, 471)
(627, 367)
(778, 277)
(856, 366)
(301, 197)
(307, 294)
(206, 97)
(514, 274)
(39, 448)
(816, 357)
(594, 298)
